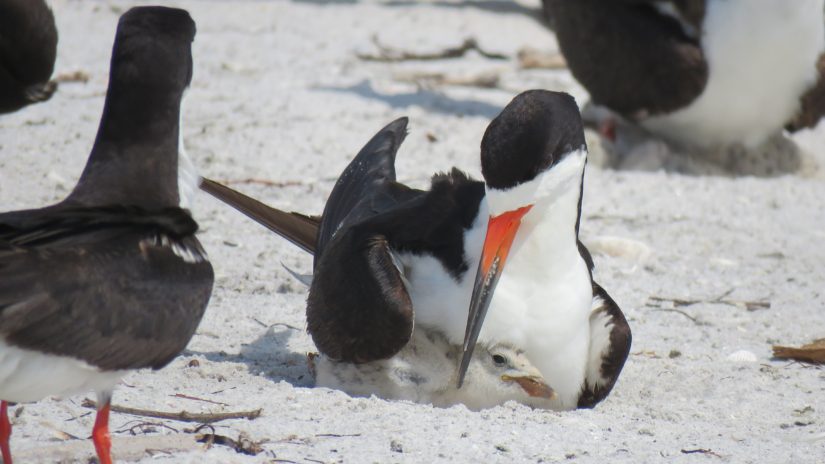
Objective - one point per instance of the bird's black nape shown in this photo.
(139, 130)
(533, 133)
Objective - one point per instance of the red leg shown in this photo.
(608, 129)
(100, 435)
(5, 432)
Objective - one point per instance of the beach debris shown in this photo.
(485, 79)
(693, 319)
(396, 447)
(195, 398)
(813, 352)
(533, 58)
(700, 451)
(182, 416)
(388, 54)
(73, 76)
(243, 445)
(265, 182)
(743, 356)
(647, 354)
(749, 305)
(144, 427)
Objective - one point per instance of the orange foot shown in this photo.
(101, 437)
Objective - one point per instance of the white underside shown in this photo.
(543, 300)
(27, 375)
(762, 57)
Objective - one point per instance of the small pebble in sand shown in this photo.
(742, 356)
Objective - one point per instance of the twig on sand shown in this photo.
(750, 305)
(811, 353)
(195, 398)
(700, 451)
(387, 54)
(486, 80)
(336, 435)
(274, 324)
(266, 182)
(144, 427)
(182, 416)
(533, 58)
(683, 313)
(276, 183)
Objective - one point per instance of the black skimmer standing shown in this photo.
(28, 48)
(112, 278)
(388, 257)
(424, 372)
(700, 73)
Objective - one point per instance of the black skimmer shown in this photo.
(388, 256)
(112, 278)
(28, 48)
(424, 372)
(704, 73)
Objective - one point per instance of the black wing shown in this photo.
(812, 103)
(358, 308)
(365, 185)
(299, 229)
(119, 288)
(609, 354)
(628, 54)
(28, 48)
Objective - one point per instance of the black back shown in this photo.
(631, 57)
(28, 48)
(104, 285)
(114, 275)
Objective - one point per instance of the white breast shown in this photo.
(27, 375)
(542, 302)
(762, 57)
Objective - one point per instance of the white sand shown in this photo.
(279, 94)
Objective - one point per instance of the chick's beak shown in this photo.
(533, 386)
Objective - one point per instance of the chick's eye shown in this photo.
(499, 360)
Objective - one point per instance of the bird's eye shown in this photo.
(499, 360)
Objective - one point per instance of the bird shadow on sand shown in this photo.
(269, 355)
(431, 101)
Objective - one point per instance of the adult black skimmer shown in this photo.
(28, 48)
(700, 73)
(112, 278)
(424, 371)
(388, 256)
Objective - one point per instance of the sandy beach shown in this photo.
(710, 271)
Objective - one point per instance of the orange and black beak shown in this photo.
(501, 230)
